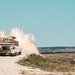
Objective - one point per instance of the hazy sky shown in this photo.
(51, 21)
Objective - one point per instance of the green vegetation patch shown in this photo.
(48, 64)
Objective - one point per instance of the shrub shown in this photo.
(48, 64)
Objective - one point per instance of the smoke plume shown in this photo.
(25, 40)
(2, 34)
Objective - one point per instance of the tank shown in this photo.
(9, 46)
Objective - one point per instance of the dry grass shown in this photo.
(62, 55)
(49, 64)
(23, 72)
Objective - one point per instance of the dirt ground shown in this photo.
(62, 55)
(8, 66)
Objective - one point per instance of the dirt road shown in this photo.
(9, 67)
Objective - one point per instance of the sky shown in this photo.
(52, 22)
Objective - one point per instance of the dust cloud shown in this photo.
(25, 40)
(2, 34)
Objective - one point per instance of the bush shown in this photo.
(48, 64)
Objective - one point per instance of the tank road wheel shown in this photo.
(11, 54)
(14, 54)
(19, 53)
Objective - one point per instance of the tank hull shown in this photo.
(5, 52)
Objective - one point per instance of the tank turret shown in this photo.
(10, 40)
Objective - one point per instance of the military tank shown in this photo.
(9, 46)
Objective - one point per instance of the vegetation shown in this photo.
(48, 64)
